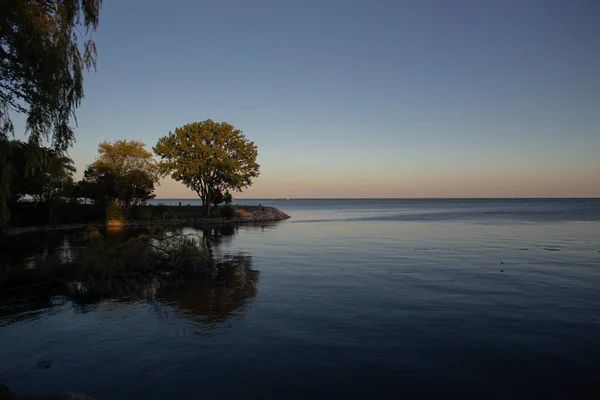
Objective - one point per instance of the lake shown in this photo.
(347, 299)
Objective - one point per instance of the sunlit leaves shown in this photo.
(209, 157)
(134, 171)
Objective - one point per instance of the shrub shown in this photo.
(92, 234)
(161, 210)
(99, 259)
(141, 213)
(227, 211)
(115, 212)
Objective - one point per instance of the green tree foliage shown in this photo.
(54, 177)
(45, 46)
(43, 54)
(209, 157)
(128, 170)
(44, 180)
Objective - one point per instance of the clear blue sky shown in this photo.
(344, 98)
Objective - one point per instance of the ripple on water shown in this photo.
(351, 308)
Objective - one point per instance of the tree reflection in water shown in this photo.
(204, 300)
(208, 302)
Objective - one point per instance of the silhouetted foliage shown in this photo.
(227, 211)
(45, 179)
(218, 199)
(43, 55)
(227, 197)
(98, 185)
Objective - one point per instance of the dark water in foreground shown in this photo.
(349, 298)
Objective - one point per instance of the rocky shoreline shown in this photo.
(243, 214)
(7, 394)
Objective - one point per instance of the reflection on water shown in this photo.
(488, 306)
(207, 302)
(204, 299)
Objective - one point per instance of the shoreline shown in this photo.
(244, 214)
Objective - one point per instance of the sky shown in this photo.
(370, 98)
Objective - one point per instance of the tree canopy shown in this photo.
(45, 180)
(97, 185)
(42, 58)
(132, 169)
(209, 157)
(45, 46)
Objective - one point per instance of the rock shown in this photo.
(70, 396)
(258, 214)
(6, 393)
(44, 364)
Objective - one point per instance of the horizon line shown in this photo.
(384, 198)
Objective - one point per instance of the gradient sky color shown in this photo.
(345, 98)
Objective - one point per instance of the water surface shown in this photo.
(349, 298)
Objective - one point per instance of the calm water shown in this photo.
(349, 298)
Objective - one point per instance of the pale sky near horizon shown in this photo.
(344, 98)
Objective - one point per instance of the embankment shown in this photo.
(174, 216)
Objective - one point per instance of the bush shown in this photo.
(115, 212)
(227, 211)
(141, 213)
(99, 260)
(161, 210)
(57, 212)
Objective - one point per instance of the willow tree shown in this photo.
(209, 157)
(46, 180)
(45, 46)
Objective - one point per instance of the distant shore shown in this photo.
(184, 215)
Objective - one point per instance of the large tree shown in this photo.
(46, 179)
(134, 171)
(45, 46)
(209, 157)
(55, 175)
(43, 54)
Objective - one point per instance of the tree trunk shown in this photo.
(207, 206)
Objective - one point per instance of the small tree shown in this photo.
(227, 197)
(132, 167)
(98, 185)
(209, 157)
(218, 199)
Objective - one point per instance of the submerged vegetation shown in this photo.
(180, 271)
(97, 258)
(117, 263)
